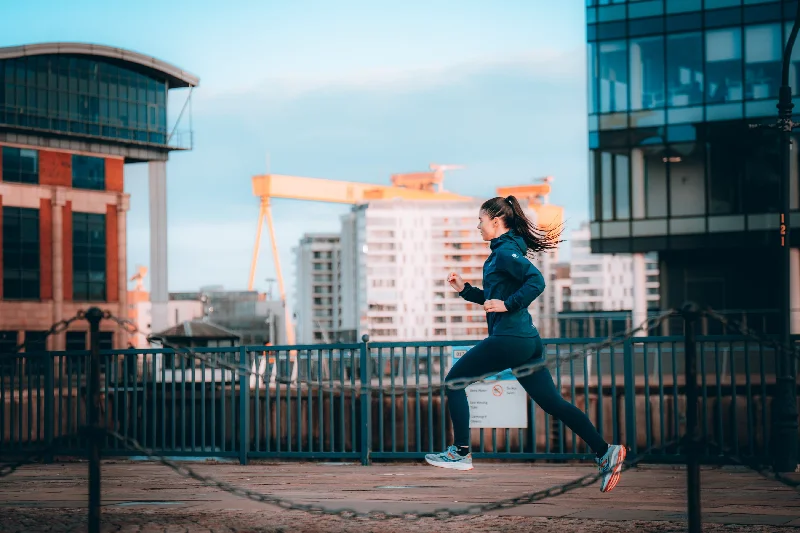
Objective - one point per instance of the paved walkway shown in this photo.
(149, 497)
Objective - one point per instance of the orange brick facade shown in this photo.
(56, 200)
(45, 249)
(55, 168)
(112, 255)
(114, 175)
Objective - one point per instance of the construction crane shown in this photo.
(413, 186)
(538, 198)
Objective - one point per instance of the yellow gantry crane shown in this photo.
(411, 186)
(414, 186)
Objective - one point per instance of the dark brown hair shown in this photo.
(537, 239)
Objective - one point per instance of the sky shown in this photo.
(341, 89)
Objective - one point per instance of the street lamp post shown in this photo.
(785, 403)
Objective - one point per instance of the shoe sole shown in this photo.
(452, 466)
(612, 482)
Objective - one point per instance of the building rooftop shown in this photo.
(175, 77)
(197, 329)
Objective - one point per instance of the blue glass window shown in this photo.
(613, 62)
(88, 172)
(20, 165)
(647, 73)
(88, 257)
(81, 95)
(591, 62)
(762, 58)
(724, 66)
(684, 70)
(20, 253)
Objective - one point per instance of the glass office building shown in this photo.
(674, 87)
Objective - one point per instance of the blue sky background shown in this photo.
(340, 89)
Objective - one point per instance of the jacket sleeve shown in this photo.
(472, 294)
(522, 270)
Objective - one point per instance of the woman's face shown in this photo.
(489, 227)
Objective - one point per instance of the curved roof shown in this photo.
(175, 76)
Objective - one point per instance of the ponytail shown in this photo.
(537, 239)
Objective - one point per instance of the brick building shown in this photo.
(71, 117)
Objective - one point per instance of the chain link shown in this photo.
(440, 514)
(519, 372)
(55, 329)
(741, 329)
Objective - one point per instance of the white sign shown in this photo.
(500, 402)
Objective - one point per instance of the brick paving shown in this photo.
(146, 497)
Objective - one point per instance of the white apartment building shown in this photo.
(605, 282)
(318, 302)
(395, 257)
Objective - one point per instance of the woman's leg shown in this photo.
(542, 390)
(485, 357)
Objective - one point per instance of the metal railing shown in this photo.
(379, 401)
(387, 401)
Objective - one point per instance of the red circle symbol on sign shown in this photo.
(497, 390)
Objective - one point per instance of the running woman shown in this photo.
(510, 283)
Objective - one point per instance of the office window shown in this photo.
(36, 343)
(794, 66)
(607, 185)
(20, 166)
(20, 253)
(654, 176)
(613, 62)
(647, 73)
(592, 77)
(682, 6)
(88, 172)
(687, 182)
(684, 70)
(725, 168)
(88, 257)
(724, 66)
(762, 57)
(8, 363)
(762, 172)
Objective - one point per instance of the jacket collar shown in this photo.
(509, 237)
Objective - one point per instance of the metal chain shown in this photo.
(519, 372)
(738, 327)
(443, 513)
(754, 466)
(55, 329)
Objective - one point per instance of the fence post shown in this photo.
(93, 316)
(630, 394)
(690, 315)
(366, 398)
(244, 407)
(49, 414)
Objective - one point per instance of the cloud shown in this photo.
(508, 121)
(544, 63)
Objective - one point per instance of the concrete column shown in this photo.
(637, 76)
(639, 292)
(59, 199)
(123, 204)
(638, 198)
(157, 173)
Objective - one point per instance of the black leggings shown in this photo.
(498, 353)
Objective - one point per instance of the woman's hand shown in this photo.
(455, 281)
(494, 306)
